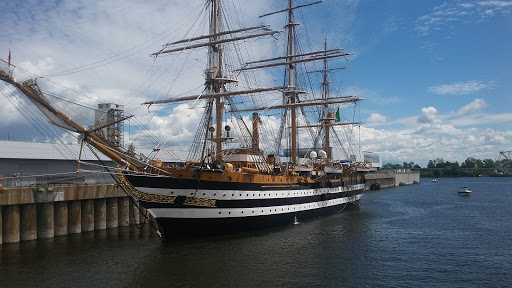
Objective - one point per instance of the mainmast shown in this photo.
(291, 94)
(213, 79)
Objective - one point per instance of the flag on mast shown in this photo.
(337, 113)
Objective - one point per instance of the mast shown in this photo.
(292, 82)
(209, 136)
(255, 132)
(325, 95)
(216, 64)
(290, 98)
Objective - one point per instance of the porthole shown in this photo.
(229, 212)
(252, 211)
(204, 194)
(220, 212)
(214, 194)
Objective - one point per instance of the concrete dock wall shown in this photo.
(407, 178)
(384, 180)
(391, 179)
(29, 213)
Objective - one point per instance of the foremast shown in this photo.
(215, 92)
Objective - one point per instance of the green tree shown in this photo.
(440, 164)
(469, 163)
(489, 163)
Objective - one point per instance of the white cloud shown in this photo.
(10, 116)
(441, 135)
(495, 3)
(466, 5)
(376, 118)
(475, 106)
(459, 88)
(432, 141)
(427, 116)
(117, 42)
(468, 12)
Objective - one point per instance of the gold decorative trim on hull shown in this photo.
(205, 202)
(143, 196)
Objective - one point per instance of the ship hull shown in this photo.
(215, 208)
(178, 227)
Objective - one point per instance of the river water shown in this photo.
(419, 235)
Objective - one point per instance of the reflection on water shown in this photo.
(415, 236)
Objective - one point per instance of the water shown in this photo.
(414, 236)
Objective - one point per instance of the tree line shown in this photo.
(471, 167)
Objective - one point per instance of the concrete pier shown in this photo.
(29, 213)
(100, 214)
(88, 215)
(36, 212)
(1, 238)
(45, 220)
(61, 218)
(124, 211)
(11, 227)
(134, 213)
(112, 213)
(74, 217)
(28, 222)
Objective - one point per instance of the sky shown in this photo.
(435, 75)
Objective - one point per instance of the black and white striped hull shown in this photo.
(217, 210)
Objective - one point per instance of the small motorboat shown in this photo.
(464, 191)
(433, 180)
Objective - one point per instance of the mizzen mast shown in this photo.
(290, 95)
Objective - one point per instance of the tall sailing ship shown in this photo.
(228, 185)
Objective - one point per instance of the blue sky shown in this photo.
(435, 75)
